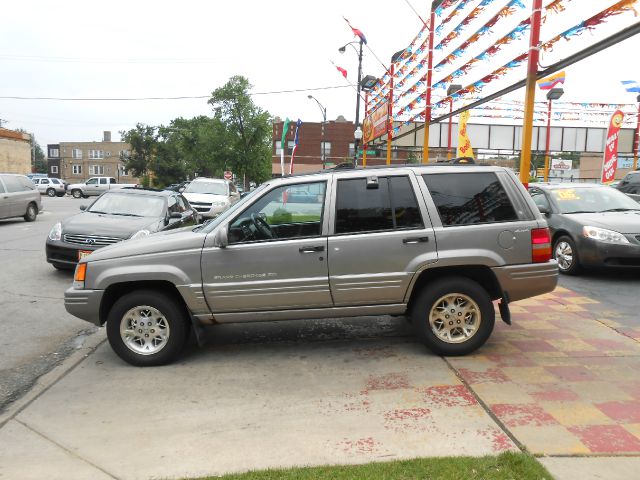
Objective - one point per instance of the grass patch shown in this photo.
(292, 218)
(507, 466)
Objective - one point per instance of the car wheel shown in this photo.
(454, 316)
(566, 254)
(31, 213)
(76, 193)
(146, 328)
(51, 192)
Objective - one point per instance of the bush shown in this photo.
(281, 215)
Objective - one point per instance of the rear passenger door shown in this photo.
(480, 218)
(4, 200)
(381, 235)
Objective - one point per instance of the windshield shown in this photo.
(213, 188)
(592, 200)
(231, 211)
(128, 205)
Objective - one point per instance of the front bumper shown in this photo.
(64, 254)
(600, 254)
(84, 304)
(529, 280)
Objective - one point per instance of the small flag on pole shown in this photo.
(283, 144)
(631, 85)
(295, 146)
(356, 32)
(342, 71)
(551, 81)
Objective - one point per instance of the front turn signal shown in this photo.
(81, 273)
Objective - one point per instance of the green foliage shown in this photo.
(280, 216)
(412, 157)
(143, 140)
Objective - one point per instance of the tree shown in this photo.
(247, 130)
(143, 140)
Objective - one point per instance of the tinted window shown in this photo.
(103, 181)
(540, 199)
(92, 181)
(1, 186)
(391, 205)
(44, 181)
(469, 198)
(173, 205)
(182, 203)
(13, 184)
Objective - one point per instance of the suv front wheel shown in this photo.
(146, 328)
(454, 316)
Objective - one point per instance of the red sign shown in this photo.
(610, 161)
(375, 125)
(228, 175)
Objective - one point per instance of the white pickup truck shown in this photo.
(95, 186)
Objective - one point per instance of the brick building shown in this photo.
(15, 152)
(77, 161)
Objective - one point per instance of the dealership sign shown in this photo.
(610, 160)
(561, 164)
(375, 124)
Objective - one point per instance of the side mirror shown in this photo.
(83, 207)
(544, 210)
(220, 238)
(181, 189)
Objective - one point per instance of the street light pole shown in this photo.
(553, 94)
(357, 126)
(322, 141)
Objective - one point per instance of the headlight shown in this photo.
(140, 234)
(56, 232)
(603, 235)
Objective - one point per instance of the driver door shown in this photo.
(277, 254)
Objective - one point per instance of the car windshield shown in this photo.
(128, 205)
(213, 188)
(209, 226)
(592, 200)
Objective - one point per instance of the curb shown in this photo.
(49, 379)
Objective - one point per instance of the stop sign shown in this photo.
(228, 175)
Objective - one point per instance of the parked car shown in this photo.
(95, 186)
(211, 196)
(51, 187)
(591, 225)
(31, 176)
(630, 185)
(437, 243)
(177, 187)
(115, 216)
(18, 197)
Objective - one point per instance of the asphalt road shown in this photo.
(36, 332)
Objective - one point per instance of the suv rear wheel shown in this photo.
(453, 316)
(147, 328)
(31, 213)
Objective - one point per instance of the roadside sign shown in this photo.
(228, 175)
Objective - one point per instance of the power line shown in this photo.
(183, 97)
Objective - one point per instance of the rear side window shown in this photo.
(26, 183)
(470, 198)
(392, 205)
(13, 184)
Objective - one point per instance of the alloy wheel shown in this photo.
(455, 318)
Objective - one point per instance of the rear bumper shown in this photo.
(84, 304)
(524, 281)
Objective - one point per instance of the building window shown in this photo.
(54, 169)
(54, 152)
(124, 153)
(124, 172)
(77, 169)
(76, 153)
(278, 145)
(107, 154)
(96, 170)
(326, 148)
(96, 154)
(352, 149)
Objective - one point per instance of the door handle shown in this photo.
(416, 240)
(311, 249)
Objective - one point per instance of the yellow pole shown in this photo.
(532, 71)
(364, 156)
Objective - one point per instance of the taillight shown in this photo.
(540, 245)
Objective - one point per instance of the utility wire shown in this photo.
(131, 99)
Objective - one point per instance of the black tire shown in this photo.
(76, 193)
(173, 315)
(435, 294)
(51, 192)
(32, 213)
(562, 248)
(60, 194)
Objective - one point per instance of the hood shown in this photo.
(170, 240)
(78, 185)
(205, 197)
(622, 222)
(87, 223)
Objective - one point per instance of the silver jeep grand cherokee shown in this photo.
(437, 243)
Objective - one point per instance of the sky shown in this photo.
(124, 49)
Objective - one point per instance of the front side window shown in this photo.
(44, 181)
(286, 212)
(363, 206)
(470, 198)
(92, 181)
(1, 186)
(13, 184)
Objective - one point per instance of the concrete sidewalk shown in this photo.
(560, 382)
